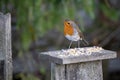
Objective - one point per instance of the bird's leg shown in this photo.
(78, 43)
(70, 44)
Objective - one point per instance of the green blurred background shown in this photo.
(37, 26)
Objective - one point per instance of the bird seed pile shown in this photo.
(79, 51)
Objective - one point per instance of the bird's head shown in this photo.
(69, 23)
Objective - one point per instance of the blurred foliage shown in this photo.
(43, 70)
(35, 17)
(89, 7)
(27, 77)
(111, 13)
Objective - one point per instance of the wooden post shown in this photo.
(78, 63)
(5, 47)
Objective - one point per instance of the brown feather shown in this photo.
(80, 34)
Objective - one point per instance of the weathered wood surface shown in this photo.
(79, 71)
(5, 45)
(78, 63)
(55, 56)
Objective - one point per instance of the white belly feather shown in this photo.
(74, 37)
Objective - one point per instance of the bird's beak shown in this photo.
(65, 23)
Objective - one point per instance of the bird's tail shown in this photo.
(85, 42)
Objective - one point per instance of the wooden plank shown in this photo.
(85, 71)
(5, 44)
(60, 72)
(77, 55)
(78, 63)
(2, 37)
(80, 71)
(8, 51)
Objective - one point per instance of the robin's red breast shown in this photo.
(72, 32)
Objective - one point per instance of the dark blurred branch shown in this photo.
(112, 35)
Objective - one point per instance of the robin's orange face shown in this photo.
(68, 29)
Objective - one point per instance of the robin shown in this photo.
(73, 33)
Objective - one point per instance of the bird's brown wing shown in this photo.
(81, 35)
(79, 31)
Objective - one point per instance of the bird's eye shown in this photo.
(68, 23)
